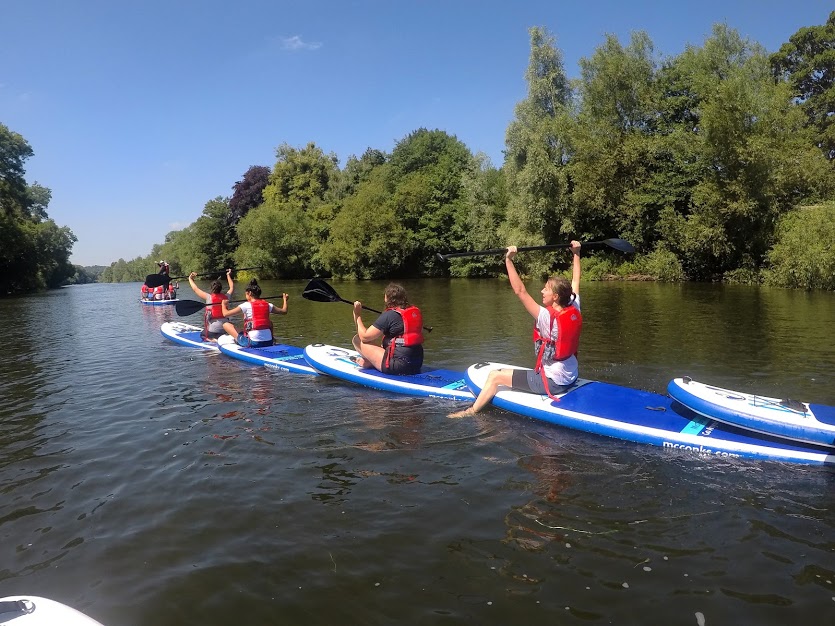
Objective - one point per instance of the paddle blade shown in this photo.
(157, 280)
(188, 307)
(620, 244)
(319, 291)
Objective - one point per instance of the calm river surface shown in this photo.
(148, 483)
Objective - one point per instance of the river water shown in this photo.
(148, 483)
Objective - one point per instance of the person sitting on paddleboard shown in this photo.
(258, 328)
(556, 337)
(213, 319)
(400, 326)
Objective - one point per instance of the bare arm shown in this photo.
(200, 293)
(575, 272)
(229, 280)
(366, 335)
(531, 305)
(283, 309)
(227, 312)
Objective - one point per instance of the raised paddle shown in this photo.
(190, 307)
(318, 290)
(157, 280)
(618, 244)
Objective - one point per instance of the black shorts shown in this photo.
(531, 382)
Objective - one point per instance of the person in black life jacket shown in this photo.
(401, 328)
(258, 328)
(556, 337)
(213, 319)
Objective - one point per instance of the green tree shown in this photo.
(807, 62)
(537, 150)
(804, 254)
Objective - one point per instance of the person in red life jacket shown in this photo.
(145, 291)
(400, 326)
(258, 328)
(213, 319)
(159, 292)
(556, 337)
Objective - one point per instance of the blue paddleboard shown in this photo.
(788, 419)
(279, 357)
(433, 383)
(645, 417)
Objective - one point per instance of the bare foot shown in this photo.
(465, 413)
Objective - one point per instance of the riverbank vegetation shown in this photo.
(716, 164)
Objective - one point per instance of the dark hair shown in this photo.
(562, 289)
(254, 289)
(396, 296)
(216, 286)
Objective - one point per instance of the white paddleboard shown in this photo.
(186, 335)
(788, 419)
(37, 611)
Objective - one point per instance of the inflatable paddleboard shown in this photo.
(186, 335)
(645, 417)
(160, 302)
(433, 383)
(37, 611)
(789, 419)
(278, 357)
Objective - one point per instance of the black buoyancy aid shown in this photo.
(412, 330)
(569, 324)
(260, 319)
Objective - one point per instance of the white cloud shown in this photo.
(297, 43)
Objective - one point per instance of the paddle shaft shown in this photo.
(190, 307)
(617, 244)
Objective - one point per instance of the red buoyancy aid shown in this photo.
(412, 330)
(216, 310)
(569, 324)
(260, 316)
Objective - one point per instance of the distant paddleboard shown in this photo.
(160, 302)
(279, 357)
(433, 383)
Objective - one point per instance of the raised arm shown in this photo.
(283, 309)
(231, 284)
(531, 305)
(575, 271)
(200, 293)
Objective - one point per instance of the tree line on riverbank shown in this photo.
(716, 164)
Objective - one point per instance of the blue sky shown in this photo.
(140, 111)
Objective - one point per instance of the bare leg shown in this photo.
(229, 327)
(372, 356)
(491, 387)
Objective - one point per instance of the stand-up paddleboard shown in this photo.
(278, 357)
(160, 302)
(433, 383)
(645, 417)
(37, 611)
(186, 335)
(789, 419)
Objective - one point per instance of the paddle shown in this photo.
(156, 280)
(190, 307)
(618, 244)
(318, 290)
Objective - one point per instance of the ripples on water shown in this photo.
(145, 483)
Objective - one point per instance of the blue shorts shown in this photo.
(244, 342)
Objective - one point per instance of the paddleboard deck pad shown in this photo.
(37, 611)
(788, 419)
(279, 357)
(186, 335)
(432, 383)
(645, 417)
